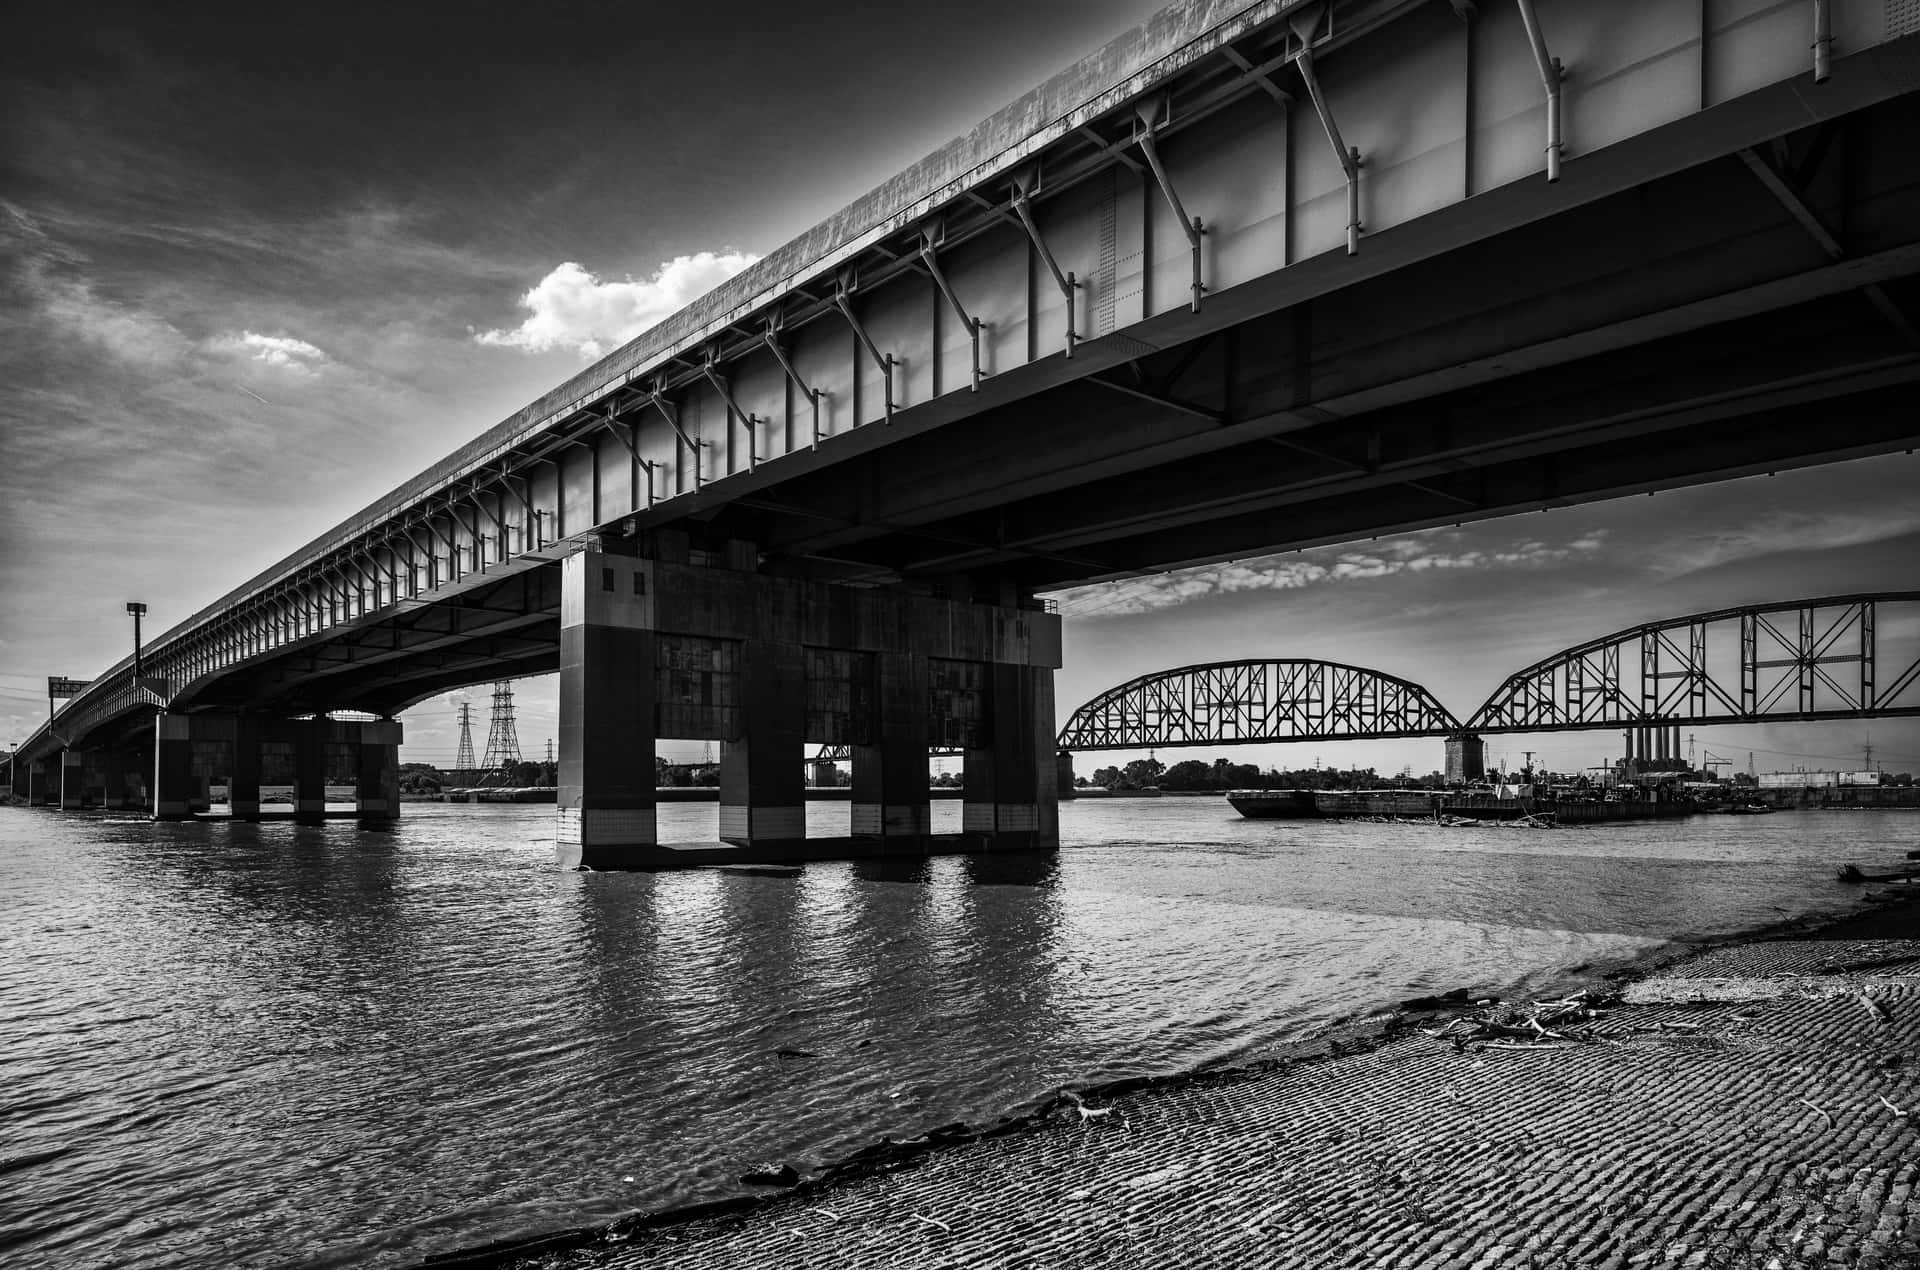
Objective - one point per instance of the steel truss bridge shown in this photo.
(1838, 657)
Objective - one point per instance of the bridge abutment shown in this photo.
(657, 648)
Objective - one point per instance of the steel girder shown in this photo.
(1246, 702)
(1764, 663)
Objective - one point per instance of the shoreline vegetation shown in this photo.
(1454, 1025)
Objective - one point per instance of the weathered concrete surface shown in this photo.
(1754, 1127)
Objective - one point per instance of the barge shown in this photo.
(1408, 804)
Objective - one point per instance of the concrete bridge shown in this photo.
(1253, 276)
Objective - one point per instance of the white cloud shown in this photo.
(54, 278)
(1817, 530)
(1291, 572)
(283, 352)
(572, 309)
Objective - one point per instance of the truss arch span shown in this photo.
(1834, 657)
(1254, 701)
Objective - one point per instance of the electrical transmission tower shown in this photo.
(503, 746)
(463, 757)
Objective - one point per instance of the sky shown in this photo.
(259, 267)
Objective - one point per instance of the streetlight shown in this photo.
(136, 609)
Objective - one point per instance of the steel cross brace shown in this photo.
(453, 552)
(1022, 205)
(475, 551)
(751, 421)
(531, 529)
(612, 424)
(1349, 158)
(813, 395)
(841, 293)
(451, 508)
(1779, 186)
(433, 561)
(929, 239)
(1150, 114)
(499, 525)
(1551, 76)
(658, 400)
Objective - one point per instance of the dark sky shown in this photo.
(258, 267)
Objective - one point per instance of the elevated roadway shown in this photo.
(1254, 276)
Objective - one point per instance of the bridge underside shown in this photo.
(1744, 315)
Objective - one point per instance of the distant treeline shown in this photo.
(1223, 773)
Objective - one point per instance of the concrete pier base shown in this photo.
(172, 766)
(243, 775)
(606, 812)
(1011, 790)
(377, 772)
(762, 774)
(309, 770)
(73, 780)
(890, 801)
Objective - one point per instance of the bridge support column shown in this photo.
(664, 647)
(117, 774)
(1466, 758)
(310, 770)
(606, 817)
(172, 766)
(1012, 790)
(762, 775)
(73, 780)
(1063, 775)
(376, 788)
(243, 773)
(890, 795)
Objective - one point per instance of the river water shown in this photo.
(264, 1045)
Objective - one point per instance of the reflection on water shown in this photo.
(317, 1046)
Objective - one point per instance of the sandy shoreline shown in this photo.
(1377, 1144)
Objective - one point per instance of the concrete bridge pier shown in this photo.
(243, 774)
(120, 787)
(376, 787)
(172, 766)
(891, 806)
(73, 780)
(663, 647)
(762, 775)
(1012, 794)
(309, 738)
(192, 751)
(606, 815)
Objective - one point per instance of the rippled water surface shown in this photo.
(276, 1046)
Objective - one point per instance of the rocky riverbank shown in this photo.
(1751, 1104)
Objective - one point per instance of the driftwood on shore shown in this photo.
(1556, 1024)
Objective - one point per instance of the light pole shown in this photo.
(136, 609)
